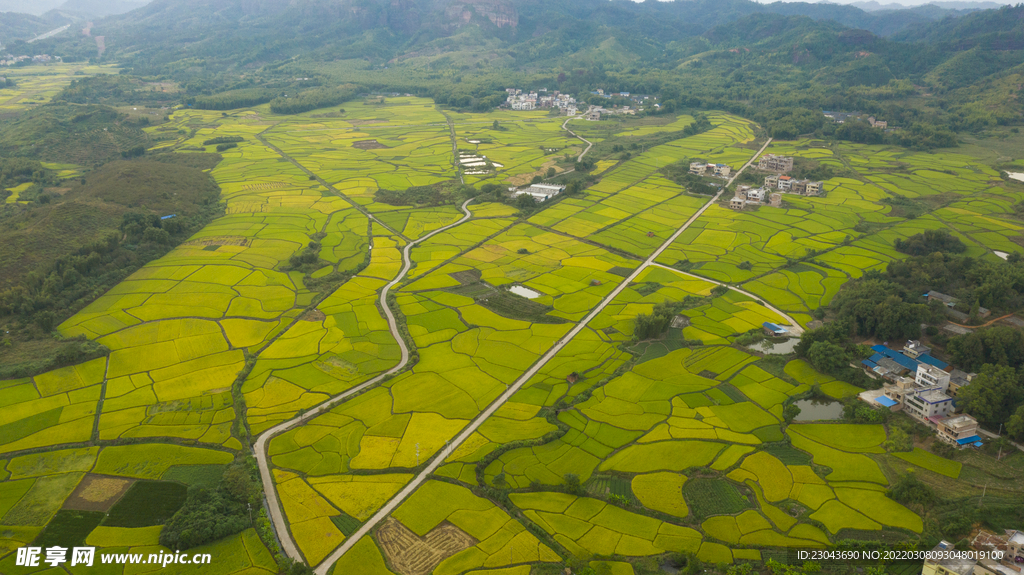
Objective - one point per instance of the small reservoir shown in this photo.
(819, 410)
(766, 347)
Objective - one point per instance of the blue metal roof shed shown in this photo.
(776, 329)
(925, 358)
(886, 401)
(967, 440)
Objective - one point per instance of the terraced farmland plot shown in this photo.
(634, 186)
(655, 423)
(524, 146)
(36, 85)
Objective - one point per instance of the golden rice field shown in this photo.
(39, 83)
(679, 444)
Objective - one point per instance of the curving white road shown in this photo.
(589, 144)
(325, 566)
(260, 447)
(795, 328)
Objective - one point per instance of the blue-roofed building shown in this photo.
(772, 329)
(887, 402)
(903, 360)
(932, 361)
(959, 430)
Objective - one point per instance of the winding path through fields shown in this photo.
(325, 566)
(795, 330)
(588, 142)
(276, 514)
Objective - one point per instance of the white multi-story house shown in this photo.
(923, 397)
(773, 163)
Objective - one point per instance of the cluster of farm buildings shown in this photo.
(1002, 555)
(924, 388)
(11, 59)
(750, 196)
(520, 100)
(843, 117)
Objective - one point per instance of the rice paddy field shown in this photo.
(798, 256)
(39, 83)
(677, 445)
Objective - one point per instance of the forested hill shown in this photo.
(388, 24)
(781, 63)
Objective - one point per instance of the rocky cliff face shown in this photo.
(499, 12)
(404, 16)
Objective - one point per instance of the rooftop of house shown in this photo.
(930, 370)
(962, 420)
(934, 396)
(941, 296)
(890, 365)
(954, 563)
(915, 345)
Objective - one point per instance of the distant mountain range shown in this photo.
(81, 8)
(873, 6)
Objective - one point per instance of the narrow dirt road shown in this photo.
(438, 460)
(795, 330)
(274, 504)
(587, 142)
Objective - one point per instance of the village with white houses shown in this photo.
(521, 100)
(12, 60)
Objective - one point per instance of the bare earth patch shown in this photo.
(97, 493)
(412, 555)
(369, 145)
(467, 277)
(313, 315)
(523, 179)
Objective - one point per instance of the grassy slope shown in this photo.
(39, 233)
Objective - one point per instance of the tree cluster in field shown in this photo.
(134, 152)
(439, 194)
(112, 89)
(313, 99)
(890, 305)
(210, 514)
(700, 124)
(679, 172)
(232, 99)
(652, 325)
(929, 242)
(904, 207)
(16, 171)
(307, 260)
(830, 350)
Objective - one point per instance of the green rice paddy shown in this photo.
(680, 446)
